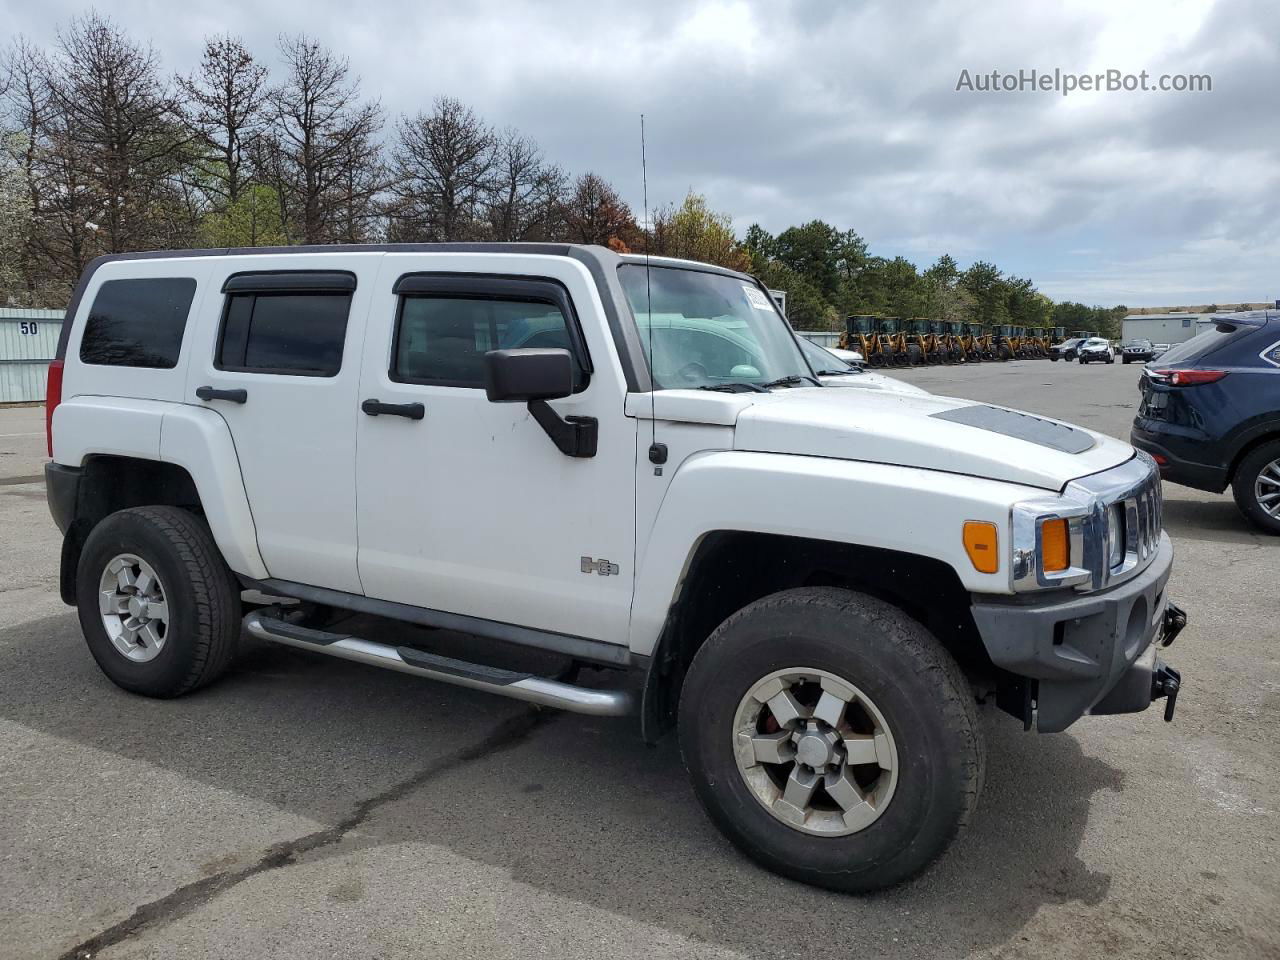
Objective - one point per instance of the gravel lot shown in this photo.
(304, 807)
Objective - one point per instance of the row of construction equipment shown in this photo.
(890, 341)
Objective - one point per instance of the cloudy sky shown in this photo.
(782, 111)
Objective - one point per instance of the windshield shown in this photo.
(824, 362)
(1140, 344)
(709, 330)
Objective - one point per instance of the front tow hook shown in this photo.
(1175, 619)
(1165, 682)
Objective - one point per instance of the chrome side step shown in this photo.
(505, 683)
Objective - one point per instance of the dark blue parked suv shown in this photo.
(1210, 413)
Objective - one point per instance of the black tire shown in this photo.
(1053, 357)
(202, 596)
(1125, 361)
(1244, 481)
(1005, 353)
(924, 698)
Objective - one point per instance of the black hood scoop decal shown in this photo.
(1022, 426)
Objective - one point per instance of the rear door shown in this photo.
(280, 363)
(467, 506)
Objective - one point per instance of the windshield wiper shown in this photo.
(734, 386)
(847, 372)
(790, 381)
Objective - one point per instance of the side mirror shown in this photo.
(533, 376)
(529, 374)
(519, 376)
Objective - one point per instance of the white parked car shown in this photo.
(632, 465)
(1096, 349)
(835, 371)
(852, 357)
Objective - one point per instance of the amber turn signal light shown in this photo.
(1055, 548)
(980, 543)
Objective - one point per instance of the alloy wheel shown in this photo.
(1266, 489)
(815, 751)
(134, 610)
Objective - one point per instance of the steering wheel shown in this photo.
(692, 371)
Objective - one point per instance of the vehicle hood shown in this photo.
(923, 430)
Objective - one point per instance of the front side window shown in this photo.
(296, 333)
(442, 340)
(138, 323)
(708, 330)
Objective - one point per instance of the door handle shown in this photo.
(213, 393)
(410, 411)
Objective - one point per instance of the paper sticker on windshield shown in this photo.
(757, 299)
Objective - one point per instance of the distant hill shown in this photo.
(1201, 308)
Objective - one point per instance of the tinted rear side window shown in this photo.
(138, 323)
(301, 334)
(1201, 345)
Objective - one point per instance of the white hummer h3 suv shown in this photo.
(629, 463)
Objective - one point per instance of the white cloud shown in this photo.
(785, 111)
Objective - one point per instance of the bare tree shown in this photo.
(442, 166)
(596, 213)
(122, 125)
(24, 75)
(355, 195)
(525, 193)
(225, 109)
(321, 143)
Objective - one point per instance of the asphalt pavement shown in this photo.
(304, 807)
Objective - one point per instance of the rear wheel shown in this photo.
(158, 606)
(831, 738)
(1257, 487)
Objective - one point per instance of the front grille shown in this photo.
(1135, 487)
(1144, 515)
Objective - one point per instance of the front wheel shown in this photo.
(831, 738)
(158, 606)
(1256, 487)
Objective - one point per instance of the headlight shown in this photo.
(1115, 535)
(1049, 544)
(1112, 523)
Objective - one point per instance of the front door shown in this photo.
(472, 509)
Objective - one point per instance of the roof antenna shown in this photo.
(657, 451)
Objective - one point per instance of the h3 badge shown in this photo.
(603, 567)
